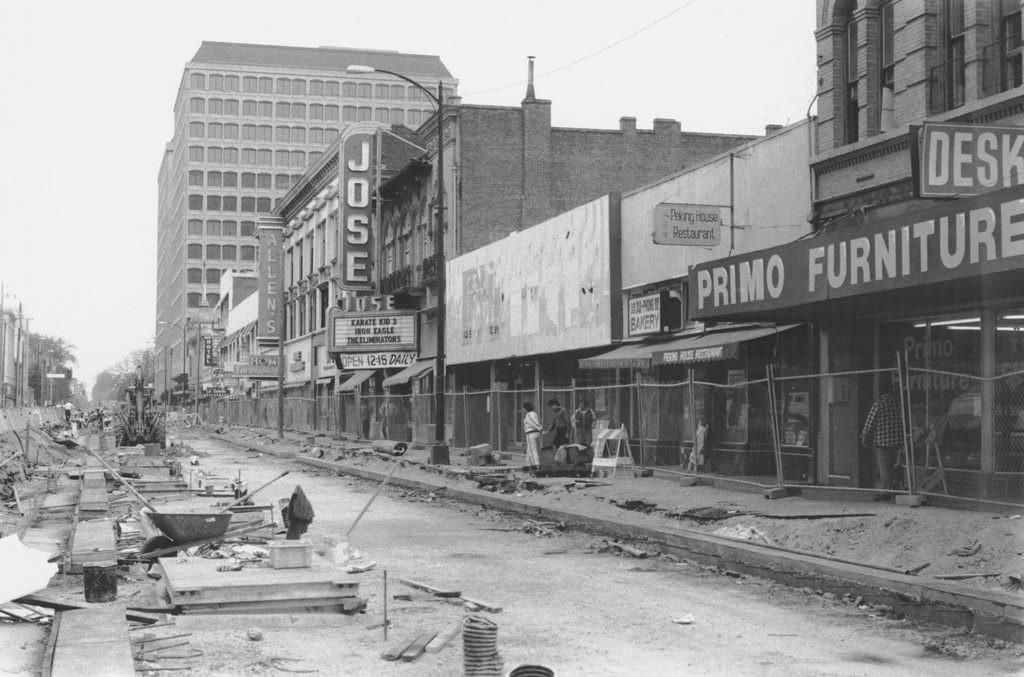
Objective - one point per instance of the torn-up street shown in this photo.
(577, 603)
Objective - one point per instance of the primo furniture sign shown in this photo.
(959, 239)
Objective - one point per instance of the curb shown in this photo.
(993, 614)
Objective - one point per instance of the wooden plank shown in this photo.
(486, 606)
(393, 653)
(415, 650)
(93, 541)
(93, 642)
(443, 638)
(426, 587)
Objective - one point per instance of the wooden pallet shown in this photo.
(93, 500)
(195, 586)
(91, 642)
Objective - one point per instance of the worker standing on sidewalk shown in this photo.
(532, 429)
(883, 430)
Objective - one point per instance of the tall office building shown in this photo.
(248, 120)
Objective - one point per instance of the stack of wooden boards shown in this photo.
(89, 642)
(196, 586)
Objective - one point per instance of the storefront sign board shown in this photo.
(270, 279)
(644, 314)
(687, 225)
(376, 360)
(959, 239)
(371, 332)
(960, 160)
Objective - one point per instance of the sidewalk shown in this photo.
(861, 543)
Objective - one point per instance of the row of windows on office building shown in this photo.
(266, 109)
(218, 179)
(219, 82)
(280, 133)
(297, 111)
(225, 228)
(246, 204)
(264, 157)
(218, 252)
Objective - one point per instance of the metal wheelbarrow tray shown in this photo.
(183, 527)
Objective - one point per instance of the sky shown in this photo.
(89, 89)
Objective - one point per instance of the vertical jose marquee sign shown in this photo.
(356, 244)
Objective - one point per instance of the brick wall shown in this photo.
(515, 170)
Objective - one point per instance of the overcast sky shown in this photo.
(89, 88)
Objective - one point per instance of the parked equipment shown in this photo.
(140, 418)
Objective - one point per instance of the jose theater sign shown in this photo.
(955, 240)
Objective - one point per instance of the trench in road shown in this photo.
(578, 613)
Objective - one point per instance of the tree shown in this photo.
(49, 355)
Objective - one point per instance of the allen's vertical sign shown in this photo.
(268, 329)
(357, 177)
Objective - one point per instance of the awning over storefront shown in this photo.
(721, 345)
(354, 379)
(414, 370)
(626, 356)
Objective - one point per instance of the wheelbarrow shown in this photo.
(185, 527)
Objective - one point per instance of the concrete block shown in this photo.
(911, 500)
(776, 492)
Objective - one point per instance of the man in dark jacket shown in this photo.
(559, 423)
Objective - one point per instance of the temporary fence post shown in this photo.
(908, 441)
(693, 421)
(640, 419)
(774, 415)
(465, 416)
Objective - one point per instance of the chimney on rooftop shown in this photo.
(530, 94)
(771, 129)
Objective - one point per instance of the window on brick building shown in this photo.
(333, 88)
(230, 228)
(215, 154)
(248, 252)
(248, 180)
(230, 204)
(213, 275)
(196, 130)
(228, 252)
(195, 202)
(230, 179)
(316, 87)
(887, 118)
(266, 85)
(247, 228)
(955, 42)
(284, 86)
(231, 131)
(298, 135)
(265, 109)
(230, 106)
(213, 252)
(195, 178)
(214, 179)
(263, 181)
(299, 87)
(195, 251)
(194, 299)
(195, 227)
(195, 153)
(249, 84)
(851, 115)
(316, 135)
(249, 108)
(213, 227)
(217, 82)
(195, 275)
(1009, 56)
(231, 83)
(198, 81)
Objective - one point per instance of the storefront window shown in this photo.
(1009, 392)
(944, 360)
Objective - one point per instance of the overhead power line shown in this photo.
(591, 55)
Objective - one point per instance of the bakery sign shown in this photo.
(393, 331)
(687, 225)
(644, 314)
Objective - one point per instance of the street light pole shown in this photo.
(439, 253)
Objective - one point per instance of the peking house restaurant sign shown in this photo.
(956, 240)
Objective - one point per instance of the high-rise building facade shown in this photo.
(248, 120)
